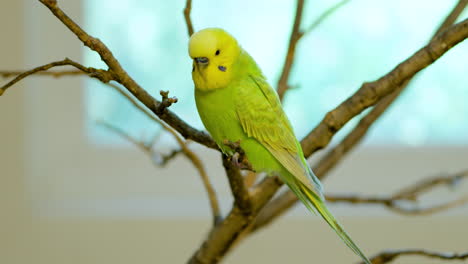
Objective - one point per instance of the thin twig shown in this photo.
(325, 15)
(188, 20)
(390, 255)
(296, 34)
(425, 185)
(395, 205)
(102, 75)
(146, 148)
(140, 144)
(56, 74)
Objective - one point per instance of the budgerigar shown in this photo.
(236, 103)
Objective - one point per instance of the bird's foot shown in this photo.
(240, 162)
(238, 159)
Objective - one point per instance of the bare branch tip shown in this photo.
(49, 2)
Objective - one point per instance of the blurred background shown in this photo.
(71, 191)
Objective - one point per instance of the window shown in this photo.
(74, 169)
(150, 39)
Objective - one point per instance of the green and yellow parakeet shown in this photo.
(236, 103)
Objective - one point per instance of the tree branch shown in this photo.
(121, 76)
(413, 191)
(56, 74)
(452, 17)
(222, 237)
(390, 255)
(394, 204)
(143, 146)
(242, 198)
(296, 34)
(147, 148)
(188, 20)
(332, 157)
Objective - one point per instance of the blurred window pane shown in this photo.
(361, 42)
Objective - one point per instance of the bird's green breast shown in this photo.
(217, 110)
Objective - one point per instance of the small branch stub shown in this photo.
(166, 101)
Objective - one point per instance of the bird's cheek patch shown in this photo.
(222, 68)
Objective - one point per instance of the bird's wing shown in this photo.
(261, 116)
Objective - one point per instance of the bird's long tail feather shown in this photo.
(315, 203)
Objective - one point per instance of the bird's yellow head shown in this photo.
(214, 52)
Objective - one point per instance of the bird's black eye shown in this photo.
(217, 52)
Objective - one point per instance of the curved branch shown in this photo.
(102, 75)
(121, 76)
(56, 74)
(390, 255)
(395, 205)
(413, 191)
(296, 34)
(188, 20)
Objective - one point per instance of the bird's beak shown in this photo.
(201, 61)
